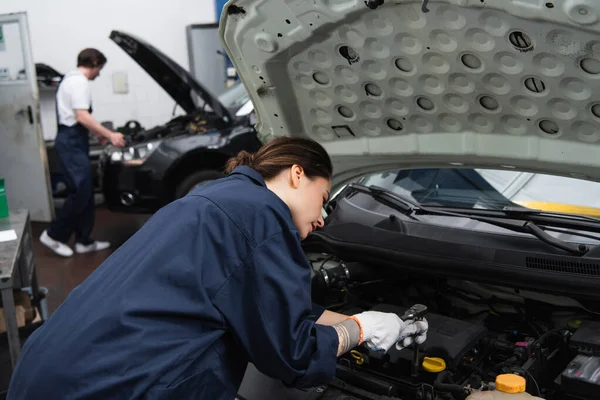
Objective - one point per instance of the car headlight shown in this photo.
(134, 155)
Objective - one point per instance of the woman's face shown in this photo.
(305, 199)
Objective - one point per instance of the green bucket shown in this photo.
(3, 202)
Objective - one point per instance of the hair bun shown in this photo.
(246, 158)
(242, 158)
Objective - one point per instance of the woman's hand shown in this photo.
(383, 330)
(378, 330)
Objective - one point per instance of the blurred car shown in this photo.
(448, 123)
(166, 162)
(47, 76)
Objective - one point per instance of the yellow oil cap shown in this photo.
(510, 383)
(434, 364)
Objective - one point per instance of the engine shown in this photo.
(476, 332)
(196, 123)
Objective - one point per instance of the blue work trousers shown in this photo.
(77, 213)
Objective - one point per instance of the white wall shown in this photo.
(61, 28)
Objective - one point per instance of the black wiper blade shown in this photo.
(388, 197)
(532, 211)
(540, 217)
(533, 229)
(538, 232)
(522, 226)
(383, 191)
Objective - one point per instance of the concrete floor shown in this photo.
(60, 275)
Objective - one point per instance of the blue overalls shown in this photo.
(211, 282)
(77, 214)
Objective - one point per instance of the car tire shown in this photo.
(194, 180)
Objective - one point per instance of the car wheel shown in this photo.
(194, 180)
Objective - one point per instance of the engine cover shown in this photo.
(587, 338)
(447, 338)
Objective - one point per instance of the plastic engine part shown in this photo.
(587, 338)
(447, 338)
(582, 377)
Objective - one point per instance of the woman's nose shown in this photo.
(320, 222)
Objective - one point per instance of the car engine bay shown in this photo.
(476, 332)
(196, 123)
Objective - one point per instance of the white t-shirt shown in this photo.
(74, 93)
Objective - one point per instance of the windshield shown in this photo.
(234, 97)
(490, 189)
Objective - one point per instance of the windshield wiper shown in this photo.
(520, 226)
(555, 219)
(388, 198)
(531, 211)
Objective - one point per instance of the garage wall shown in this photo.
(61, 28)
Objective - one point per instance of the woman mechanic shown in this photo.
(211, 282)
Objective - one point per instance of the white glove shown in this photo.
(415, 332)
(380, 330)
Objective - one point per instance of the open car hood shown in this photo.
(479, 83)
(175, 80)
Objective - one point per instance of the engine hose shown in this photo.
(364, 381)
(511, 360)
(476, 369)
(546, 335)
(441, 386)
(501, 345)
(328, 275)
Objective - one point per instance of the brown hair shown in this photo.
(90, 58)
(282, 153)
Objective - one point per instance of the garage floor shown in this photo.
(60, 275)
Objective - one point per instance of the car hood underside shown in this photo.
(498, 84)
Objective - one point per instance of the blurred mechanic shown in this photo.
(75, 121)
(211, 282)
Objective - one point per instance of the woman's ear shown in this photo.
(296, 175)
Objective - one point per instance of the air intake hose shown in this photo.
(337, 274)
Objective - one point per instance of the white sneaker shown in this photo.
(88, 248)
(59, 248)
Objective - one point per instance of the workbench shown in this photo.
(17, 270)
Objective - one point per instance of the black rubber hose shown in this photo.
(476, 369)
(547, 334)
(501, 345)
(360, 272)
(365, 381)
(441, 385)
(511, 360)
(350, 272)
